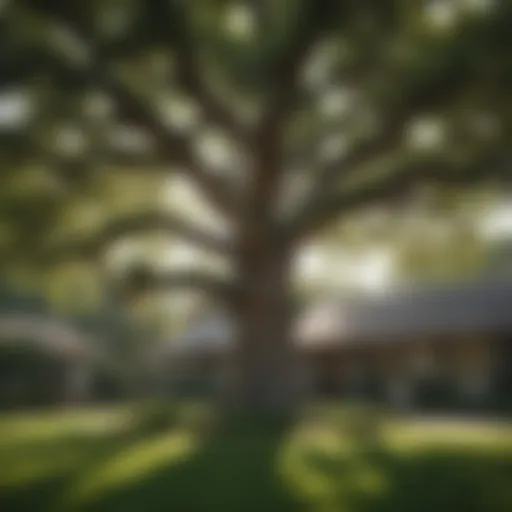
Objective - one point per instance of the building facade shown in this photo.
(441, 347)
(43, 362)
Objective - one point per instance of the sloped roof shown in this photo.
(49, 334)
(12, 299)
(213, 331)
(402, 313)
(435, 310)
(25, 317)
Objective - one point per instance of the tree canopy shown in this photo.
(281, 116)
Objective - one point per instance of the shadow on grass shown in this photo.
(194, 465)
(33, 475)
(440, 481)
(38, 464)
(231, 469)
(240, 468)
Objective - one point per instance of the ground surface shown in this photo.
(100, 460)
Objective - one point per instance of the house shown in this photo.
(43, 361)
(435, 346)
(49, 359)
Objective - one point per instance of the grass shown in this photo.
(101, 460)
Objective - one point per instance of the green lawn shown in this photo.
(100, 460)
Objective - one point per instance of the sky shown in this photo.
(373, 271)
(497, 223)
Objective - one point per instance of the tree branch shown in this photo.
(391, 136)
(166, 223)
(174, 149)
(429, 83)
(284, 73)
(174, 29)
(397, 184)
(143, 280)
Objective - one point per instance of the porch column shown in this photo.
(473, 370)
(399, 391)
(399, 385)
(77, 382)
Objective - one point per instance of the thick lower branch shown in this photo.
(173, 28)
(143, 223)
(452, 72)
(173, 148)
(166, 223)
(143, 280)
(393, 186)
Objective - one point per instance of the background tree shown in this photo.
(283, 116)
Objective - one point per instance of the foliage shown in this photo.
(67, 61)
(306, 113)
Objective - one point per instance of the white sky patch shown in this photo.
(121, 254)
(183, 256)
(426, 134)
(182, 196)
(310, 263)
(442, 14)
(215, 150)
(335, 102)
(318, 67)
(15, 109)
(181, 114)
(70, 140)
(240, 21)
(332, 147)
(496, 223)
(372, 271)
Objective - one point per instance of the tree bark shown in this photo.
(264, 366)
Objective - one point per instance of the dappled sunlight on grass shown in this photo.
(406, 435)
(33, 463)
(329, 461)
(326, 468)
(47, 425)
(133, 464)
(403, 465)
(26, 470)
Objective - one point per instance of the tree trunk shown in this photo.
(264, 369)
